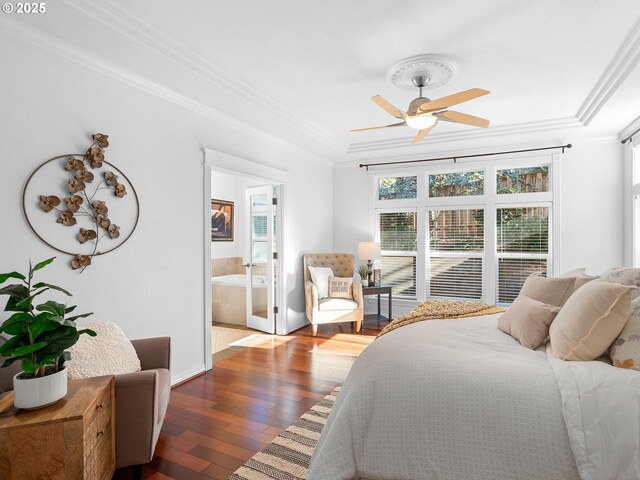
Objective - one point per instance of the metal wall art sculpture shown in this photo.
(87, 194)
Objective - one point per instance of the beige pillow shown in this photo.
(340, 287)
(590, 321)
(583, 280)
(625, 350)
(552, 291)
(527, 320)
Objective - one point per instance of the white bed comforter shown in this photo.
(459, 399)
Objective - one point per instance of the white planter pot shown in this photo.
(365, 283)
(39, 392)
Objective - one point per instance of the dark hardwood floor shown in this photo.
(217, 421)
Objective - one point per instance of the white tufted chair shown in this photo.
(327, 310)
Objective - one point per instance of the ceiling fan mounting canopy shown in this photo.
(421, 80)
(437, 69)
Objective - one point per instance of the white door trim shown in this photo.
(206, 266)
(216, 161)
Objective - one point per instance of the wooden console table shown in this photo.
(380, 290)
(72, 439)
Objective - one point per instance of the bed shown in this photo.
(459, 399)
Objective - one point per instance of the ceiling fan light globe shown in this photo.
(420, 122)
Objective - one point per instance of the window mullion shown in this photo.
(421, 254)
(490, 242)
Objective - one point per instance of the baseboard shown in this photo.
(186, 376)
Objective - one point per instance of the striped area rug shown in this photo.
(287, 457)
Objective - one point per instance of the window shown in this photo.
(259, 239)
(456, 184)
(474, 234)
(522, 180)
(456, 245)
(398, 244)
(394, 188)
(522, 248)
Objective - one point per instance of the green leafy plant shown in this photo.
(40, 333)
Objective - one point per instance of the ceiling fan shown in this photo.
(423, 114)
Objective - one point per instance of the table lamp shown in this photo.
(369, 251)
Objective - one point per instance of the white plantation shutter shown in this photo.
(398, 234)
(522, 248)
(455, 253)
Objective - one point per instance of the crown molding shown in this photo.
(629, 129)
(623, 63)
(82, 57)
(513, 129)
(452, 152)
(115, 16)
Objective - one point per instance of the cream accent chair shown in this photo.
(332, 310)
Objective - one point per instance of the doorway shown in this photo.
(243, 288)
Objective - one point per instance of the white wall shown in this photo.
(153, 284)
(591, 206)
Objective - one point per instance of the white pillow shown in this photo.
(108, 353)
(320, 278)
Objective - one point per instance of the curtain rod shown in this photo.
(630, 136)
(456, 157)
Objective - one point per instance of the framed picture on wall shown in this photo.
(222, 212)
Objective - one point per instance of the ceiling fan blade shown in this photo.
(458, 117)
(379, 126)
(386, 106)
(454, 99)
(422, 133)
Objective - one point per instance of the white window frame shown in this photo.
(490, 200)
(634, 152)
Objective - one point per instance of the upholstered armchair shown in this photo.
(332, 310)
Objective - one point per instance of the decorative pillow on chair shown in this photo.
(625, 351)
(110, 352)
(527, 320)
(552, 291)
(590, 321)
(340, 287)
(320, 278)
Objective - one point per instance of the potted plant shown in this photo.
(40, 336)
(363, 271)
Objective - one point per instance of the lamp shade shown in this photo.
(368, 250)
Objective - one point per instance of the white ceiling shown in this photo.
(305, 70)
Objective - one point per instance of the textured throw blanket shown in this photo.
(442, 309)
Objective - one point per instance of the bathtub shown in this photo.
(239, 280)
(229, 300)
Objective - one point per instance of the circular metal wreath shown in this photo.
(49, 203)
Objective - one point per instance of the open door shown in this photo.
(260, 258)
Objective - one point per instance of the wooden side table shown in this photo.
(73, 438)
(380, 290)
